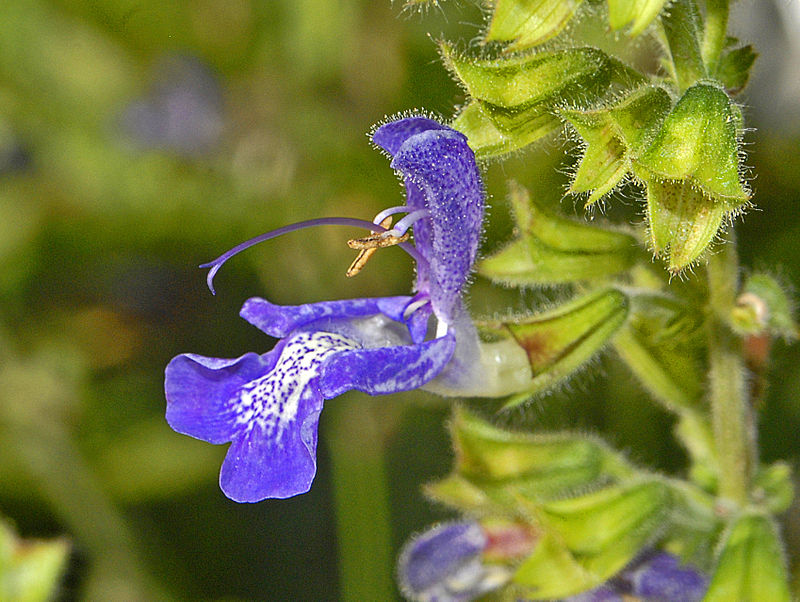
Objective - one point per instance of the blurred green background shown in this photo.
(140, 138)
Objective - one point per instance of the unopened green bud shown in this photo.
(751, 566)
(552, 250)
(764, 306)
(699, 141)
(559, 341)
(592, 537)
(773, 487)
(639, 13)
(527, 23)
(30, 570)
(614, 137)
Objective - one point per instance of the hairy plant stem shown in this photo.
(716, 31)
(730, 411)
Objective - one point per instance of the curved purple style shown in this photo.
(268, 405)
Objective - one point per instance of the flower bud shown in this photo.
(553, 250)
(699, 140)
(774, 488)
(764, 306)
(750, 564)
(527, 24)
(445, 563)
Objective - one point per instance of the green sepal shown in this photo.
(773, 487)
(596, 535)
(553, 250)
(615, 136)
(518, 81)
(733, 68)
(30, 571)
(484, 137)
(638, 13)
(495, 468)
(558, 342)
(526, 23)
(699, 142)
(764, 306)
(683, 221)
(751, 566)
(662, 344)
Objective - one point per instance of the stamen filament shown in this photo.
(405, 223)
(217, 263)
(389, 211)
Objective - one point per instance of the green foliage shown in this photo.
(30, 571)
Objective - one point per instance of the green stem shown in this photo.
(682, 34)
(356, 445)
(716, 32)
(730, 411)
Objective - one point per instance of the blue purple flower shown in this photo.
(445, 564)
(268, 406)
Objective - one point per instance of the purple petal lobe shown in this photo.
(603, 593)
(202, 392)
(445, 564)
(280, 320)
(383, 370)
(391, 136)
(663, 578)
(441, 166)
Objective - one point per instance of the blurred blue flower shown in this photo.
(182, 113)
(445, 564)
(654, 577)
(268, 405)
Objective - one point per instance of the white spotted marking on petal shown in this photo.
(272, 401)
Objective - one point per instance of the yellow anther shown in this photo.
(369, 244)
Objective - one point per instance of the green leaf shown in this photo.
(551, 249)
(30, 571)
(527, 23)
(733, 68)
(638, 13)
(751, 566)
